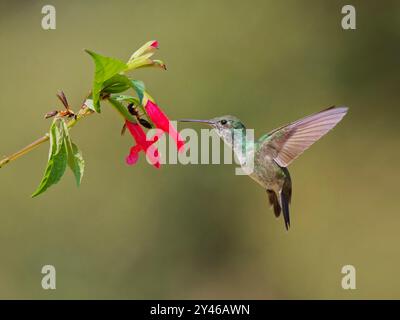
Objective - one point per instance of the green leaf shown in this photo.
(106, 68)
(75, 159)
(76, 162)
(57, 161)
(117, 84)
(126, 98)
(139, 87)
(121, 109)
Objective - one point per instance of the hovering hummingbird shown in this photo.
(275, 151)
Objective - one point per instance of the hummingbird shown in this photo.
(273, 152)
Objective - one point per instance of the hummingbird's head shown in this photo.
(224, 126)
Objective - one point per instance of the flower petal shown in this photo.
(157, 116)
(162, 122)
(143, 144)
(133, 156)
(137, 132)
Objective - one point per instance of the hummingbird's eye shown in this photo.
(223, 122)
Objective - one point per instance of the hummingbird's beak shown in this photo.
(196, 120)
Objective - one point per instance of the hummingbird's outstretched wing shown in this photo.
(288, 142)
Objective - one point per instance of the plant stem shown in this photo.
(24, 150)
(83, 112)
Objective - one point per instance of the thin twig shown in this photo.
(24, 150)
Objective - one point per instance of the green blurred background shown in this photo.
(201, 231)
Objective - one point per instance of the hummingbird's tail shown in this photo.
(285, 210)
(286, 196)
(282, 203)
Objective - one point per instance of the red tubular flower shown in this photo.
(162, 122)
(142, 144)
